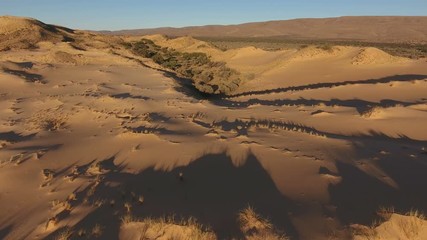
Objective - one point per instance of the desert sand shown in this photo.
(99, 143)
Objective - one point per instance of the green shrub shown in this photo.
(208, 76)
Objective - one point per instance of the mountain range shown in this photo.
(361, 28)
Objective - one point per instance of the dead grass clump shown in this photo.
(52, 124)
(47, 121)
(64, 234)
(167, 228)
(412, 224)
(386, 212)
(372, 112)
(396, 226)
(326, 47)
(254, 227)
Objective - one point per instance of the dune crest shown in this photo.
(21, 33)
(395, 227)
(102, 137)
(9, 24)
(374, 56)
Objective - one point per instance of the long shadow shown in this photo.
(27, 65)
(15, 137)
(38, 147)
(128, 95)
(155, 130)
(186, 86)
(360, 105)
(359, 195)
(241, 127)
(5, 231)
(211, 189)
(395, 78)
(29, 77)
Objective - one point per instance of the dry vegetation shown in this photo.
(252, 227)
(64, 235)
(47, 121)
(409, 50)
(208, 76)
(408, 226)
(95, 129)
(167, 228)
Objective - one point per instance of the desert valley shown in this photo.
(141, 135)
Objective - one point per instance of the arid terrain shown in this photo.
(362, 28)
(152, 137)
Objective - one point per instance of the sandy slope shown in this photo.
(396, 226)
(314, 142)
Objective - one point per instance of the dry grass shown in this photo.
(408, 226)
(254, 227)
(412, 226)
(47, 121)
(386, 212)
(410, 50)
(169, 228)
(128, 218)
(52, 124)
(64, 235)
(250, 221)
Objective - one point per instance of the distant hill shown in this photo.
(377, 29)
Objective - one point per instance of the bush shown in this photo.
(325, 47)
(208, 76)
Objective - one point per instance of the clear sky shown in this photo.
(131, 14)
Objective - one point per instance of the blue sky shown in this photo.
(130, 14)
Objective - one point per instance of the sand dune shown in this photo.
(370, 56)
(97, 142)
(25, 33)
(396, 226)
(328, 65)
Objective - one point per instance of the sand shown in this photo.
(313, 142)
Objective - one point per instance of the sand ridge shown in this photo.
(375, 56)
(103, 144)
(256, 63)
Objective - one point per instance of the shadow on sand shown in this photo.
(360, 195)
(29, 77)
(396, 78)
(5, 231)
(361, 106)
(212, 190)
(15, 137)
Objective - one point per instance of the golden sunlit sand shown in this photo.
(97, 142)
